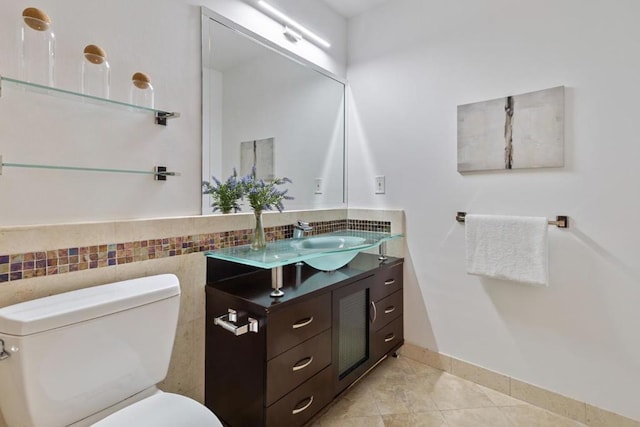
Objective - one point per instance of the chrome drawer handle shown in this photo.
(390, 281)
(389, 309)
(305, 362)
(302, 323)
(305, 407)
(375, 312)
(389, 337)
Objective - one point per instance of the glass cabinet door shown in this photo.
(351, 332)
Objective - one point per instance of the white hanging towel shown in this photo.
(508, 248)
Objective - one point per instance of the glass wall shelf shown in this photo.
(161, 116)
(279, 253)
(160, 173)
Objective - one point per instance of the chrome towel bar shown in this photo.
(562, 221)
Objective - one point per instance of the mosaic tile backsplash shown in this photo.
(58, 261)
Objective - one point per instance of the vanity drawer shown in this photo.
(386, 310)
(299, 322)
(386, 282)
(297, 407)
(295, 366)
(387, 338)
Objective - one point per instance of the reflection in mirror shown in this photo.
(266, 108)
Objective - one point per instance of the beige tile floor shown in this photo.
(403, 392)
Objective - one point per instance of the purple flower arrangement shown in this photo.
(265, 195)
(225, 195)
(262, 195)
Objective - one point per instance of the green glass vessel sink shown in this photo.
(326, 252)
(343, 249)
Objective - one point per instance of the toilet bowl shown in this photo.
(93, 357)
(162, 409)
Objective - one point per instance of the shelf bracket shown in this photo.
(161, 173)
(163, 116)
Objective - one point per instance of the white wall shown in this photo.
(160, 37)
(411, 62)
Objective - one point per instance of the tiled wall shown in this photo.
(27, 265)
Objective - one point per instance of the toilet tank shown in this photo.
(74, 354)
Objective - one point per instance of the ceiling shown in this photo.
(350, 8)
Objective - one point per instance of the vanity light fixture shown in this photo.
(288, 21)
(292, 36)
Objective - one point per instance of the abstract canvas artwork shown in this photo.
(514, 132)
(259, 154)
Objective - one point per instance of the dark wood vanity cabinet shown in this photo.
(310, 345)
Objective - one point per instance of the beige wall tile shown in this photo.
(476, 417)
(531, 416)
(15, 240)
(144, 229)
(38, 287)
(395, 216)
(218, 223)
(500, 399)
(423, 355)
(185, 368)
(597, 417)
(191, 273)
(480, 375)
(551, 401)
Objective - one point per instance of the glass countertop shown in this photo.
(288, 251)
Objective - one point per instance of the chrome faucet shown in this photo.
(300, 228)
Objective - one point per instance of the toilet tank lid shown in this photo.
(68, 308)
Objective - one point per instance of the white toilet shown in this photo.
(93, 357)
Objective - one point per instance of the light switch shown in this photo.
(380, 184)
(318, 189)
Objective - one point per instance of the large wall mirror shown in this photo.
(263, 106)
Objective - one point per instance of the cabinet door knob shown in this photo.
(389, 309)
(302, 323)
(390, 281)
(303, 363)
(303, 408)
(389, 337)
